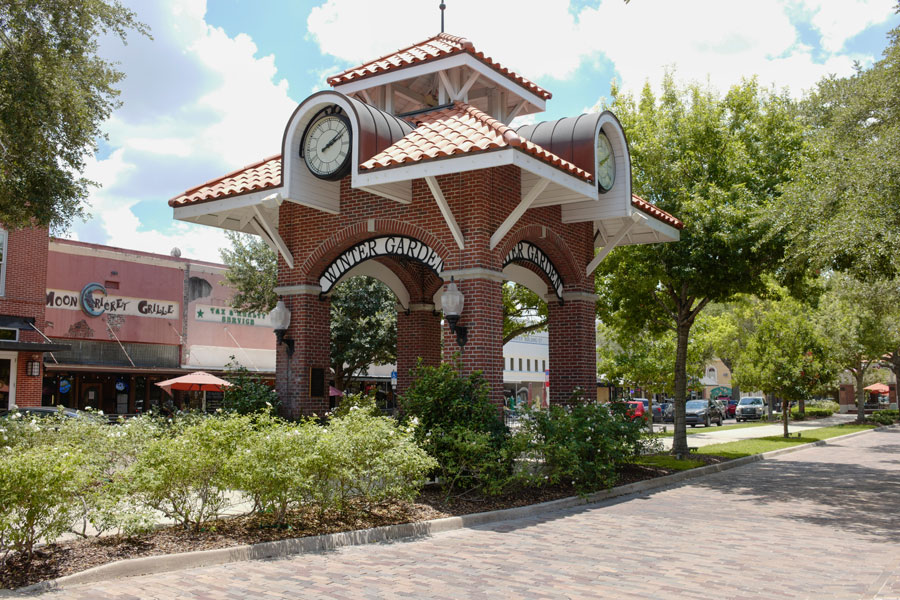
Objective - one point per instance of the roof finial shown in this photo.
(442, 7)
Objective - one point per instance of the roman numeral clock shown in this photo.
(325, 145)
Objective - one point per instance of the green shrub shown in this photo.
(184, 475)
(812, 412)
(370, 458)
(37, 491)
(248, 393)
(583, 444)
(361, 401)
(460, 427)
(886, 417)
(276, 466)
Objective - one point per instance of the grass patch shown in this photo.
(759, 445)
(668, 462)
(693, 430)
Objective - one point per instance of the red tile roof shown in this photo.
(460, 129)
(657, 213)
(259, 176)
(440, 46)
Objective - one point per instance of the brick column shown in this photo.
(483, 315)
(418, 336)
(310, 329)
(573, 346)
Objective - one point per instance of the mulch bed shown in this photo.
(66, 558)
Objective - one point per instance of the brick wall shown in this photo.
(25, 296)
(573, 350)
(418, 336)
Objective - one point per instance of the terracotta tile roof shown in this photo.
(440, 46)
(460, 129)
(658, 213)
(260, 175)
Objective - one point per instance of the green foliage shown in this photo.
(252, 272)
(278, 465)
(583, 444)
(842, 211)
(363, 327)
(715, 163)
(811, 412)
(248, 393)
(523, 311)
(459, 426)
(184, 475)
(54, 94)
(353, 402)
(885, 417)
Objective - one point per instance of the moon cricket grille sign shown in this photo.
(395, 245)
(527, 252)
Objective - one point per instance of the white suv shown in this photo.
(750, 408)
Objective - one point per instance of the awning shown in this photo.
(12, 322)
(10, 346)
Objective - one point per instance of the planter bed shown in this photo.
(65, 558)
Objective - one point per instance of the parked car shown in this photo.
(663, 412)
(636, 410)
(43, 411)
(750, 408)
(706, 412)
(730, 405)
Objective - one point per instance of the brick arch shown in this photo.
(332, 247)
(553, 245)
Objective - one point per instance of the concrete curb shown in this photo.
(149, 565)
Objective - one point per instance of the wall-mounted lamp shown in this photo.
(281, 318)
(452, 302)
(33, 368)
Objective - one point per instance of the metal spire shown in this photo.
(442, 7)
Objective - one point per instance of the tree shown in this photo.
(54, 94)
(363, 310)
(860, 319)
(363, 328)
(842, 211)
(786, 353)
(715, 163)
(523, 311)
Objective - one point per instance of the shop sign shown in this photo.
(94, 301)
(526, 252)
(230, 316)
(395, 245)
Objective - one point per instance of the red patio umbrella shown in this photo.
(333, 391)
(878, 388)
(199, 381)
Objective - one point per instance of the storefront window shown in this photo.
(140, 392)
(11, 335)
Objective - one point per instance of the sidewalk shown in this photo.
(716, 435)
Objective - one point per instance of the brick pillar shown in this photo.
(418, 336)
(28, 387)
(310, 329)
(573, 346)
(483, 315)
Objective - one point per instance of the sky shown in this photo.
(214, 88)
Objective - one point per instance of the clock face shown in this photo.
(326, 147)
(606, 163)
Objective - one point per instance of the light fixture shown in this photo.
(33, 368)
(280, 318)
(452, 302)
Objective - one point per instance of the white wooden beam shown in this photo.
(445, 210)
(449, 88)
(507, 119)
(463, 93)
(272, 231)
(604, 252)
(366, 98)
(405, 92)
(392, 191)
(389, 98)
(221, 218)
(518, 211)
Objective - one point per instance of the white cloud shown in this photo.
(702, 39)
(197, 104)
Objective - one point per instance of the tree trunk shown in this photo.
(785, 414)
(860, 394)
(802, 406)
(895, 367)
(679, 442)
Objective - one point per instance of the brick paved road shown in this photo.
(821, 523)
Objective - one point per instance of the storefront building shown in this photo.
(134, 318)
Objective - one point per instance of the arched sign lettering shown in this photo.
(527, 252)
(394, 245)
